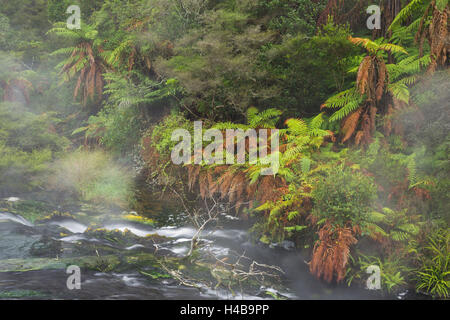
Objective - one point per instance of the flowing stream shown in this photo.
(119, 255)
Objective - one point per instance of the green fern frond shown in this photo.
(297, 126)
(251, 113)
(406, 12)
(64, 32)
(229, 125)
(317, 121)
(374, 229)
(293, 152)
(393, 48)
(266, 119)
(345, 110)
(441, 4)
(409, 228)
(408, 66)
(403, 34)
(374, 216)
(305, 164)
(408, 81)
(63, 51)
(116, 54)
(320, 133)
(371, 46)
(400, 91)
(343, 98)
(399, 235)
(412, 169)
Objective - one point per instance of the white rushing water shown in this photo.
(140, 232)
(71, 225)
(14, 218)
(12, 199)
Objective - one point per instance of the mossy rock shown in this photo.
(138, 219)
(56, 216)
(114, 236)
(124, 238)
(16, 294)
(29, 210)
(46, 247)
(32, 264)
(22, 265)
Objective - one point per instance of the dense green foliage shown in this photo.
(363, 172)
(343, 196)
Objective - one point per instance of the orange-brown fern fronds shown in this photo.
(366, 127)
(234, 185)
(21, 84)
(382, 75)
(420, 31)
(225, 183)
(90, 79)
(350, 123)
(363, 76)
(338, 10)
(372, 116)
(203, 184)
(330, 10)
(439, 44)
(331, 252)
(193, 174)
(388, 120)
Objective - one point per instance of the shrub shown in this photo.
(93, 176)
(343, 196)
(434, 275)
(27, 144)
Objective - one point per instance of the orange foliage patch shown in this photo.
(331, 252)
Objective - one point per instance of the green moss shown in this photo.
(29, 210)
(33, 264)
(102, 263)
(20, 294)
(54, 216)
(22, 265)
(155, 275)
(139, 219)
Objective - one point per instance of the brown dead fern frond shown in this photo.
(350, 123)
(331, 252)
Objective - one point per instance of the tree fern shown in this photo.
(372, 84)
(83, 59)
